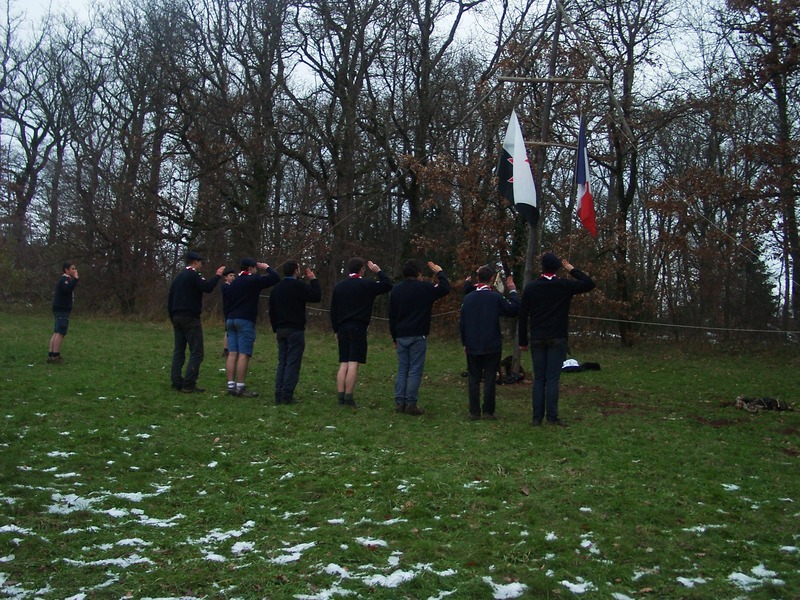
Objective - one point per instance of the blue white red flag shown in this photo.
(585, 202)
(514, 171)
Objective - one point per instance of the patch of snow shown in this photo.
(334, 569)
(744, 582)
(325, 594)
(214, 557)
(124, 563)
(242, 547)
(690, 582)
(390, 581)
(503, 591)
(762, 571)
(475, 485)
(580, 587)
(371, 542)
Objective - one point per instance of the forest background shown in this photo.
(322, 129)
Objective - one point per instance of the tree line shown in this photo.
(322, 129)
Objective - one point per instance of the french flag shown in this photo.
(585, 202)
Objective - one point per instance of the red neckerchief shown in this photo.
(245, 273)
(549, 276)
(355, 276)
(482, 287)
(191, 268)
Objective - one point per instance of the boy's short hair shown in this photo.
(289, 267)
(68, 264)
(412, 268)
(355, 264)
(486, 274)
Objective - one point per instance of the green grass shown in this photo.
(113, 484)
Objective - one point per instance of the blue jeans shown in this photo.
(548, 358)
(410, 363)
(482, 366)
(188, 331)
(291, 345)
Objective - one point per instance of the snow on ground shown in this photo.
(247, 543)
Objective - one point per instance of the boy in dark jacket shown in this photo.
(351, 312)
(287, 314)
(184, 306)
(545, 305)
(242, 296)
(410, 307)
(62, 308)
(482, 338)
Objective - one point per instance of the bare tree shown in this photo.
(338, 42)
(765, 39)
(27, 123)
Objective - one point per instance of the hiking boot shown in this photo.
(289, 400)
(473, 417)
(399, 407)
(243, 392)
(192, 389)
(557, 423)
(536, 423)
(489, 417)
(413, 409)
(55, 360)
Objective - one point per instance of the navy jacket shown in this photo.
(243, 292)
(186, 293)
(287, 302)
(354, 297)
(62, 298)
(411, 304)
(480, 319)
(545, 305)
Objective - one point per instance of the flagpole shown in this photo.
(572, 193)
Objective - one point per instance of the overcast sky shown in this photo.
(36, 9)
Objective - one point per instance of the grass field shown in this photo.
(114, 486)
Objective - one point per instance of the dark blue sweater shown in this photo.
(186, 293)
(411, 304)
(545, 305)
(354, 297)
(62, 298)
(287, 302)
(243, 292)
(480, 320)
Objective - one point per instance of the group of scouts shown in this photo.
(543, 323)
